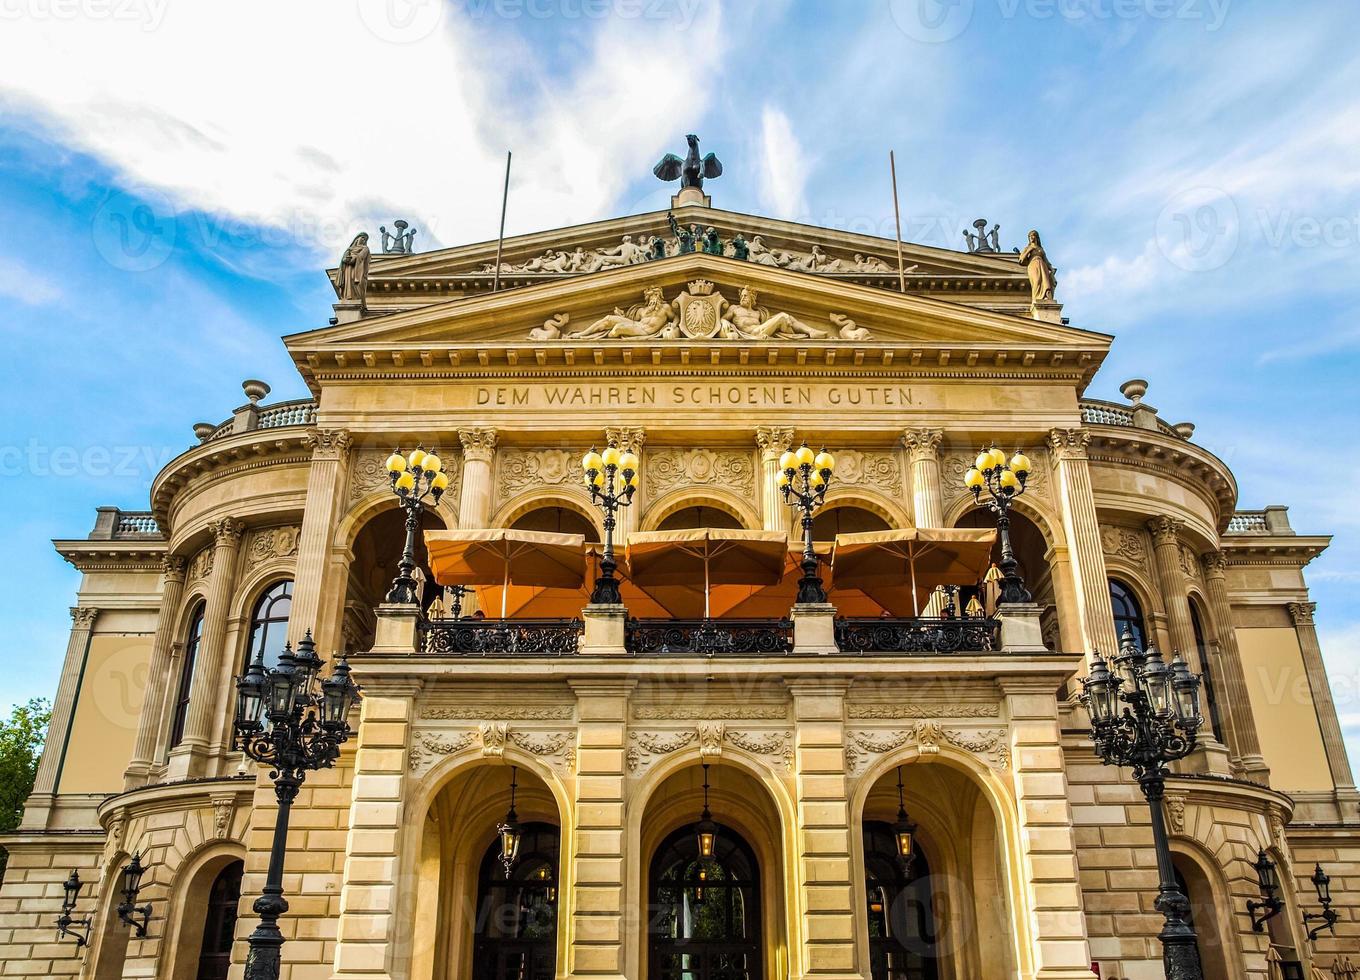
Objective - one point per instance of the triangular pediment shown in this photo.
(678, 309)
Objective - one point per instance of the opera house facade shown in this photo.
(708, 771)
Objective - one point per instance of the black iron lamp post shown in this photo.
(904, 831)
(1003, 482)
(67, 923)
(1270, 903)
(294, 724)
(803, 479)
(1157, 724)
(612, 479)
(129, 912)
(1328, 916)
(415, 478)
(509, 830)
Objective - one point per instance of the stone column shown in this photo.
(1047, 871)
(159, 678)
(1244, 741)
(600, 919)
(190, 756)
(45, 782)
(923, 453)
(373, 877)
(824, 868)
(479, 449)
(773, 441)
(1072, 474)
(1332, 740)
(314, 578)
(628, 439)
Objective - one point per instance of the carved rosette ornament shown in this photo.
(330, 444)
(479, 444)
(669, 468)
(1123, 542)
(270, 543)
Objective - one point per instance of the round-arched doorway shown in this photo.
(705, 915)
(902, 930)
(515, 936)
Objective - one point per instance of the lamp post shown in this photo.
(1003, 482)
(67, 923)
(1269, 882)
(414, 479)
(129, 912)
(285, 719)
(803, 479)
(1156, 725)
(612, 478)
(1328, 916)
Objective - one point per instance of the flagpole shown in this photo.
(897, 213)
(500, 241)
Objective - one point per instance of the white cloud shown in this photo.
(306, 116)
(784, 166)
(19, 282)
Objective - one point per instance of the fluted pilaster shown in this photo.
(1332, 740)
(1242, 736)
(63, 712)
(773, 441)
(315, 579)
(1072, 473)
(158, 675)
(479, 449)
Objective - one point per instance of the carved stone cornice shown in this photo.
(83, 617)
(328, 444)
(479, 444)
(922, 444)
(216, 459)
(774, 439)
(1302, 612)
(227, 532)
(628, 438)
(1068, 443)
(1165, 530)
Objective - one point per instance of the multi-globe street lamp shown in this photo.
(1145, 713)
(414, 478)
(612, 479)
(803, 480)
(294, 724)
(1003, 482)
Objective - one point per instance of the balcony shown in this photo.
(472, 637)
(708, 637)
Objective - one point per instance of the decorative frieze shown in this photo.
(1124, 542)
(200, 566)
(929, 709)
(646, 747)
(862, 746)
(709, 712)
(521, 470)
(492, 737)
(668, 468)
(522, 712)
(428, 746)
(876, 470)
(268, 543)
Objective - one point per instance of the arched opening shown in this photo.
(192, 638)
(469, 918)
(845, 519)
(720, 918)
(1206, 916)
(219, 923)
(1206, 672)
(515, 937)
(559, 520)
(1030, 547)
(112, 935)
(1128, 613)
(269, 623)
(901, 915)
(688, 517)
(948, 915)
(704, 917)
(205, 906)
(377, 551)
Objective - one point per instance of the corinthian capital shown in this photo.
(774, 438)
(1165, 530)
(479, 444)
(629, 438)
(1214, 563)
(174, 566)
(327, 443)
(227, 532)
(923, 443)
(82, 617)
(1068, 443)
(1302, 612)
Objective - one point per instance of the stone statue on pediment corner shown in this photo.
(353, 280)
(1043, 278)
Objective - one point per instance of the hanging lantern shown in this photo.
(509, 830)
(904, 831)
(706, 830)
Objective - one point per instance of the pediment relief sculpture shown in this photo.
(700, 312)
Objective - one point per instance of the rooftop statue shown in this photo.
(984, 240)
(402, 243)
(1043, 278)
(354, 269)
(692, 170)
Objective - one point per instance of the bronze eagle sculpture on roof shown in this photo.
(692, 170)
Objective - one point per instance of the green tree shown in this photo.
(21, 741)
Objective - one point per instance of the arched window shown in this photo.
(516, 930)
(219, 924)
(192, 639)
(704, 913)
(903, 937)
(269, 623)
(1127, 613)
(1205, 673)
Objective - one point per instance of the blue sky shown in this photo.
(174, 174)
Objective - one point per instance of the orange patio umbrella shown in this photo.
(672, 564)
(507, 557)
(882, 561)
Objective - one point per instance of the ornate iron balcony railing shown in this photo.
(708, 636)
(923, 636)
(500, 637)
